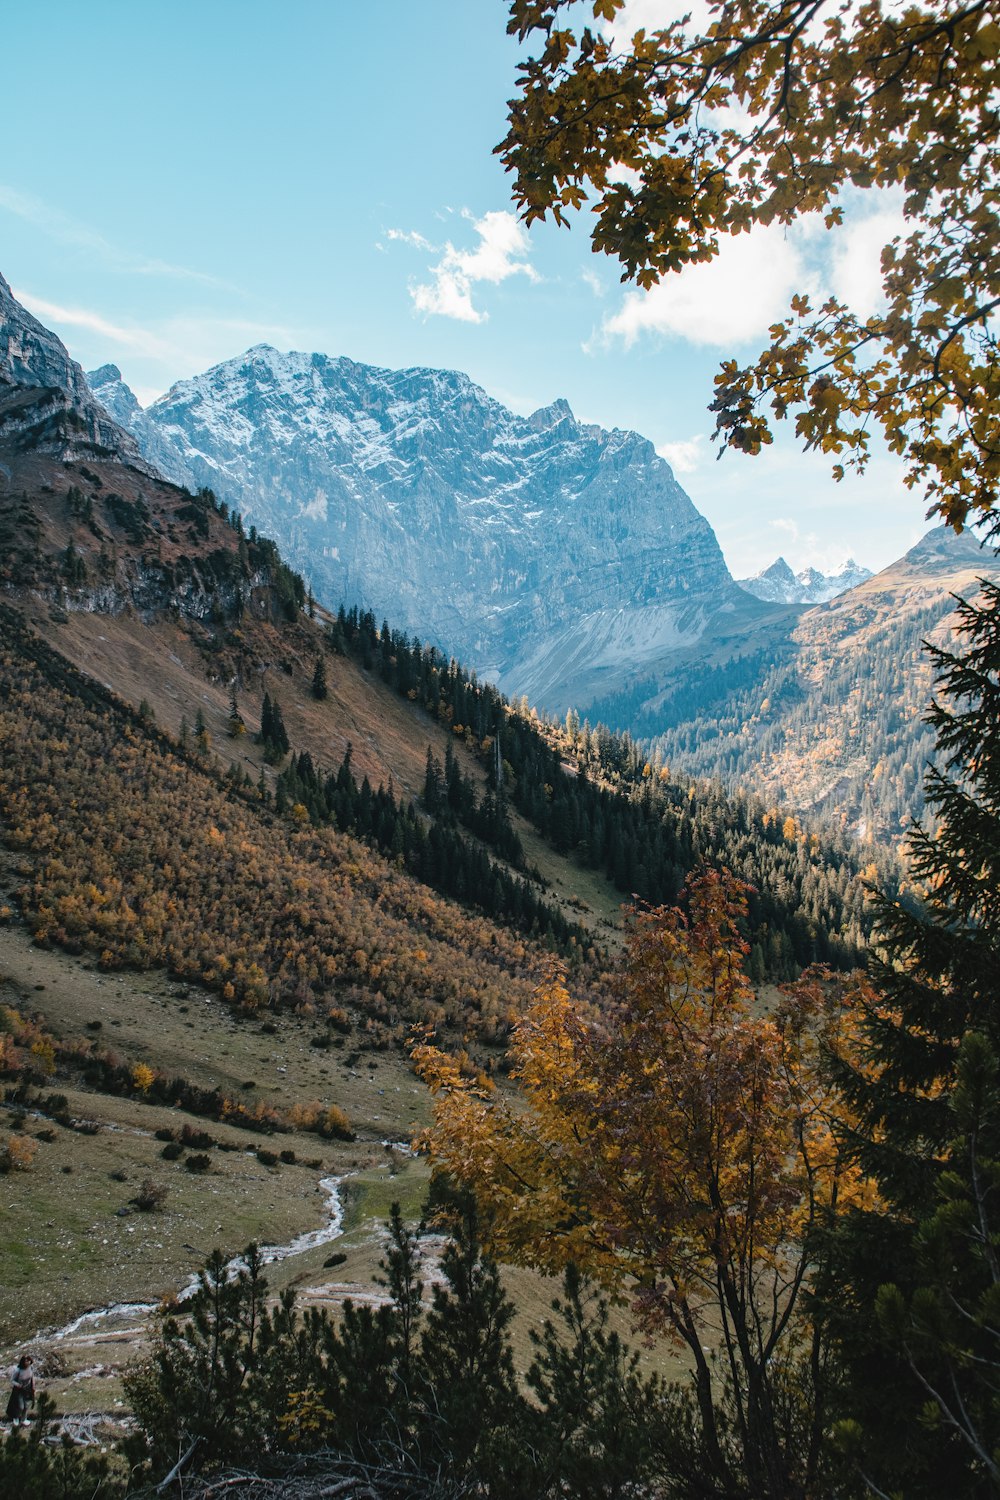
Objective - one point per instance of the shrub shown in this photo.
(150, 1196)
(172, 1151)
(288, 1157)
(165, 1134)
(198, 1163)
(336, 1125)
(18, 1154)
(267, 1158)
(198, 1140)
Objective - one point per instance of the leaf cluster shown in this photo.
(775, 113)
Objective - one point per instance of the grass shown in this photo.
(67, 1248)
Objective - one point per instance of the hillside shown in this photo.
(828, 721)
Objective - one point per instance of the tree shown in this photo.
(679, 1148)
(916, 1302)
(593, 1430)
(781, 109)
(194, 1395)
(319, 687)
(467, 1368)
(236, 724)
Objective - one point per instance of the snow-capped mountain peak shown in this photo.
(779, 585)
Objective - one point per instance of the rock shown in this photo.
(505, 540)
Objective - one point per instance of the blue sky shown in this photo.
(194, 178)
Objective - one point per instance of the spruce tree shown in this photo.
(916, 1281)
(319, 687)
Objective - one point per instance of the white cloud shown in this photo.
(870, 222)
(654, 15)
(685, 455)
(501, 252)
(736, 297)
(726, 301)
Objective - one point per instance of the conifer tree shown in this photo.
(319, 687)
(917, 1283)
(465, 1351)
(236, 725)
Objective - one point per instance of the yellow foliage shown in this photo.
(679, 1143)
(304, 1419)
(143, 1077)
(18, 1154)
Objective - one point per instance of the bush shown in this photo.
(150, 1196)
(267, 1158)
(17, 1155)
(197, 1140)
(198, 1163)
(288, 1157)
(336, 1125)
(172, 1151)
(165, 1134)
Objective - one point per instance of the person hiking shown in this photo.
(22, 1393)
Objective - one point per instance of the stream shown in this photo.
(130, 1313)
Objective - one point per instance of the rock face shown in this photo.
(45, 400)
(528, 546)
(779, 585)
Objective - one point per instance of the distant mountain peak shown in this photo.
(779, 585)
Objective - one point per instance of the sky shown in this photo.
(183, 180)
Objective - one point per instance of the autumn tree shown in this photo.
(679, 1148)
(778, 110)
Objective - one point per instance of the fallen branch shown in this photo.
(178, 1466)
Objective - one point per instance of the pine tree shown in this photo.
(236, 725)
(465, 1353)
(319, 687)
(917, 1284)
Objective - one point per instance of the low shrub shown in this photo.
(150, 1196)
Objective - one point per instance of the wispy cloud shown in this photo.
(410, 237)
(93, 322)
(63, 228)
(179, 347)
(501, 250)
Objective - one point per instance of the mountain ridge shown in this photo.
(416, 494)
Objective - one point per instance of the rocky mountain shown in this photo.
(827, 719)
(779, 585)
(548, 553)
(45, 401)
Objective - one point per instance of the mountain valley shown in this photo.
(213, 936)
